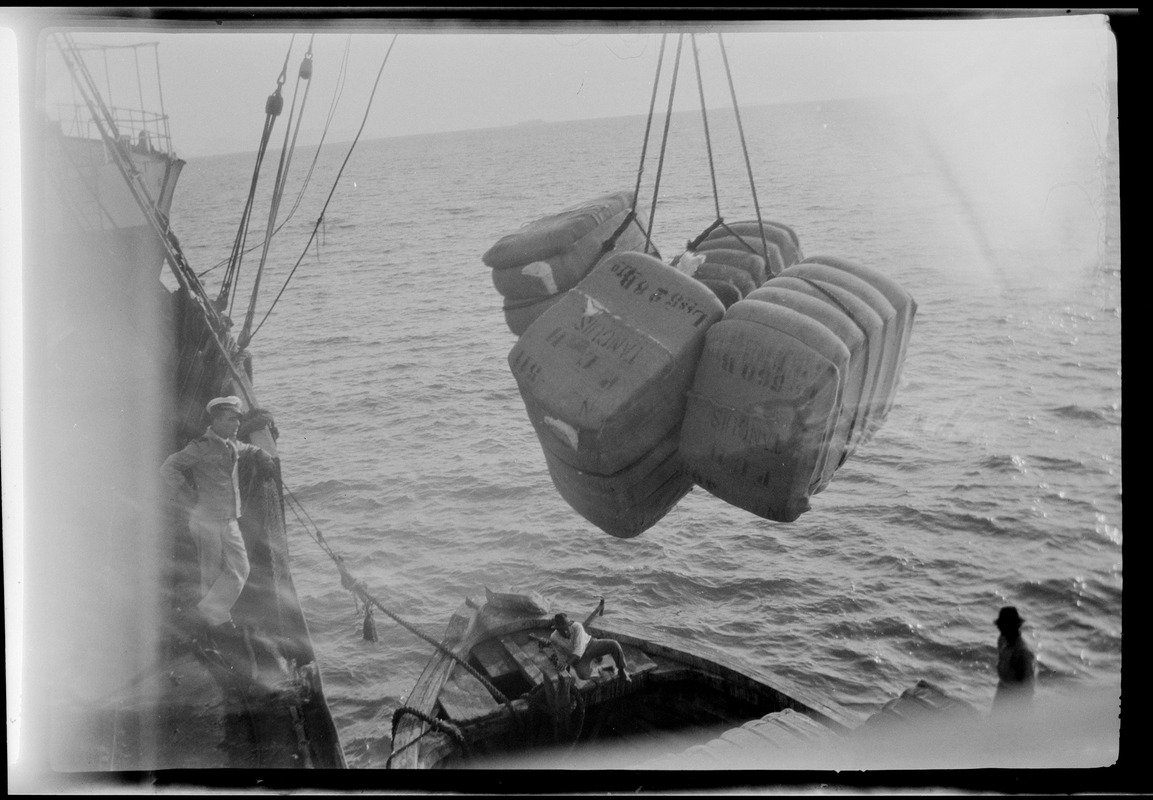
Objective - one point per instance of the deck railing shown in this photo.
(139, 130)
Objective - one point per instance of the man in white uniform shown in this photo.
(212, 461)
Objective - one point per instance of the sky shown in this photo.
(459, 75)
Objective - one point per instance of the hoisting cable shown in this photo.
(744, 146)
(344, 164)
(303, 74)
(632, 215)
(272, 108)
(664, 138)
(705, 122)
(360, 589)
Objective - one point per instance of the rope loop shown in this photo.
(608, 244)
(695, 243)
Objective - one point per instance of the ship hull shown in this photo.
(119, 368)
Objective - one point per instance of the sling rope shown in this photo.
(272, 108)
(303, 74)
(665, 137)
(344, 164)
(705, 123)
(744, 149)
(744, 145)
(644, 153)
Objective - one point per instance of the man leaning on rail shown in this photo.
(212, 460)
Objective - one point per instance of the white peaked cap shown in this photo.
(232, 401)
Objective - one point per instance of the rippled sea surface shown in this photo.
(995, 480)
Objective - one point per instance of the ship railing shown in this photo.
(140, 131)
(138, 112)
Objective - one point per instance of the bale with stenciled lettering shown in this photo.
(857, 381)
(869, 323)
(888, 366)
(603, 373)
(763, 409)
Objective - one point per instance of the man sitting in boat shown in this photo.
(577, 649)
(212, 460)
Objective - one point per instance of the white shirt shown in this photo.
(575, 643)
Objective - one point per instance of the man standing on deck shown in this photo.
(575, 648)
(1015, 663)
(212, 460)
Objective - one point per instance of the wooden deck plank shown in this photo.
(464, 697)
(495, 659)
(524, 660)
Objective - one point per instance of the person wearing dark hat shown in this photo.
(1015, 661)
(577, 649)
(212, 460)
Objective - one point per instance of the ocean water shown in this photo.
(995, 480)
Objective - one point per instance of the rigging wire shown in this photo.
(272, 108)
(307, 181)
(344, 164)
(341, 78)
(286, 152)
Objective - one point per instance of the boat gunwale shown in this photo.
(475, 626)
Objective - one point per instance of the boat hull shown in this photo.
(678, 695)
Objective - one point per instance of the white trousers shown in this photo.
(223, 566)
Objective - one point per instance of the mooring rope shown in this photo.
(360, 589)
(644, 150)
